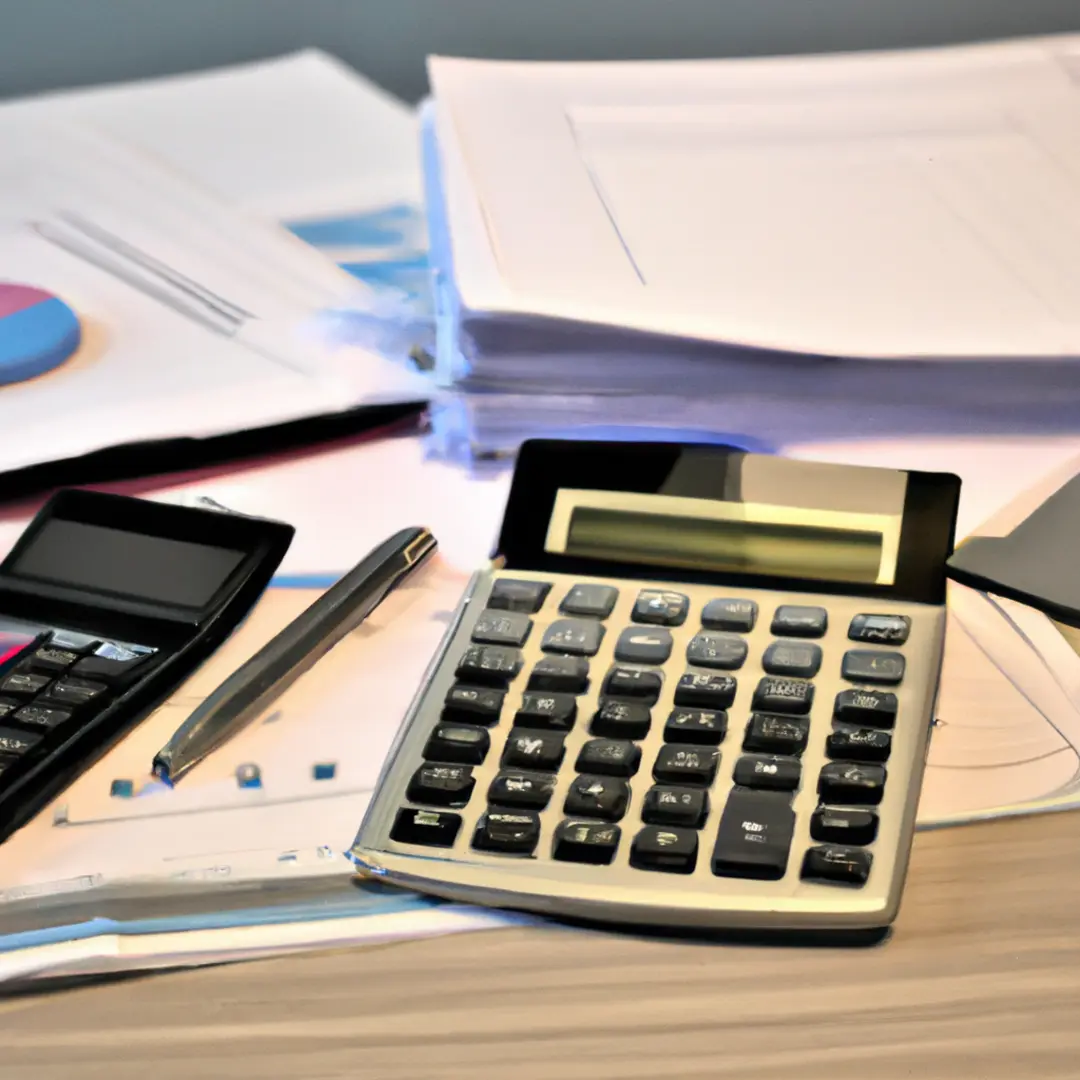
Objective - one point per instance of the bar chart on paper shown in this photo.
(38, 332)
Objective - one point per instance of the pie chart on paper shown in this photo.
(38, 332)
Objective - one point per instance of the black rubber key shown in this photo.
(754, 838)
(473, 704)
(431, 828)
(671, 851)
(457, 744)
(442, 785)
(622, 719)
(604, 797)
(837, 865)
(551, 712)
(560, 674)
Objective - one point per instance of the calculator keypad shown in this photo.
(727, 739)
(65, 680)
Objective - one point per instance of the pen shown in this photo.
(247, 692)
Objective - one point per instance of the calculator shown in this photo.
(107, 604)
(693, 688)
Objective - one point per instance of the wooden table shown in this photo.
(980, 979)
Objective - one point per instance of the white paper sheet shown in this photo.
(294, 136)
(907, 204)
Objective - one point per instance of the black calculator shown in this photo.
(107, 604)
(694, 688)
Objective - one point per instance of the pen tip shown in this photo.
(161, 772)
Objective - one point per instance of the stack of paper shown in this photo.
(887, 238)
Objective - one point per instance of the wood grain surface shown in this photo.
(980, 979)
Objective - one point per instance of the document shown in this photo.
(894, 206)
(195, 320)
(301, 140)
(295, 136)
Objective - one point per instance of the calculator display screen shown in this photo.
(740, 538)
(127, 564)
(712, 514)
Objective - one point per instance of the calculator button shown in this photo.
(791, 620)
(609, 757)
(524, 596)
(638, 645)
(622, 720)
(73, 641)
(877, 708)
(432, 828)
(597, 601)
(679, 764)
(38, 716)
(553, 712)
(563, 674)
(521, 789)
(586, 842)
(473, 704)
(578, 637)
(541, 750)
(112, 662)
(50, 659)
(493, 664)
(843, 826)
(872, 666)
(512, 831)
(859, 744)
(603, 797)
(660, 606)
(801, 658)
(705, 691)
(726, 614)
(755, 834)
(672, 851)
(501, 628)
(880, 629)
(783, 695)
(458, 743)
(710, 649)
(703, 726)
(832, 863)
(769, 773)
(8, 705)
(442, 785)
(632, 683)
(16, 742)
(24, 684)
(683, 806)
(776, 734)
(75, 693)
(850, 784)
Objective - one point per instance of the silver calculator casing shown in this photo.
(620, 893)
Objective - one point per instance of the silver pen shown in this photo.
(279, 663)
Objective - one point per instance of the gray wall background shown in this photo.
(47, 44)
